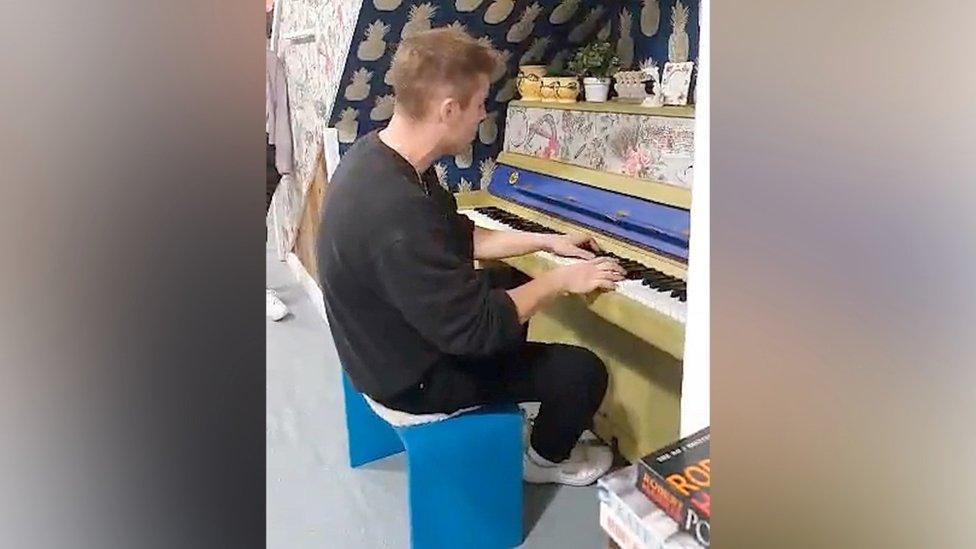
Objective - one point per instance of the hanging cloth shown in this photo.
(277, 120)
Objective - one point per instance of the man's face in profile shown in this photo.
(462, 122)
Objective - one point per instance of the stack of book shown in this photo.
(663, 500)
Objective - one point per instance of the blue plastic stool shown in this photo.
(464, 474)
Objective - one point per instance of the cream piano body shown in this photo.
(591, 168)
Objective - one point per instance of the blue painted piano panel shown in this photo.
(647, 224)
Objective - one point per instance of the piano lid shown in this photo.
(647, 224)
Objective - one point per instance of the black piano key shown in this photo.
(651, 283)
(655, 276)
(673, 281)
(664, 285)
(635, 270)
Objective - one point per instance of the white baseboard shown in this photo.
(307, 283)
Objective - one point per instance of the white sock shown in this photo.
(539, 460)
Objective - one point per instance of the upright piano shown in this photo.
(638, 328)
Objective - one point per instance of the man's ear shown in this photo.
(447, 109)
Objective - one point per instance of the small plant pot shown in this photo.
(529, 81)
(560, 89)
(596, 89)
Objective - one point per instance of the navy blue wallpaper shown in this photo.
(651, 29)
(656, 45)
(527, 32)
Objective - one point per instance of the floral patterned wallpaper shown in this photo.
(655, 148)
(313, 68)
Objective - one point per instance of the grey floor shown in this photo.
(315, 499)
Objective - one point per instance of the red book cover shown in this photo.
(677, 478)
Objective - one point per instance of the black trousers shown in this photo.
(569, 382)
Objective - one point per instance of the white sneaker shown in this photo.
(527, 423)
(586, 464)
(275, 307)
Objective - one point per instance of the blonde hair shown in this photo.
(445, 56)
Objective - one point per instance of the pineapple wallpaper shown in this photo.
(524, 31)
(662, 30)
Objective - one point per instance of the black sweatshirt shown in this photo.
(395, 264)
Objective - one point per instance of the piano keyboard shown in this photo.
(644, 284)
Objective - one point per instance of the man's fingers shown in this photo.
(583, 253)
(607, 263)
(607, 280)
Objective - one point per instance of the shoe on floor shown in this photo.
(586, 464)
(275, 307)
(527, 422)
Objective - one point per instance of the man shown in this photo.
(417, 328)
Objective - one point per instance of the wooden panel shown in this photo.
(686, 111)
(309, 224)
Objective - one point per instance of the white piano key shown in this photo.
(485, 222)
(661, 302)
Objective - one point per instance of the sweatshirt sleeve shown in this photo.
(442, 297)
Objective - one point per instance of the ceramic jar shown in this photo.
(560, 89)
(529, 81)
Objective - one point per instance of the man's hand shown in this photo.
(587, 276)
(572, 245)
(579, 278)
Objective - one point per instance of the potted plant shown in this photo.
(595, 63)
(559, 86)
